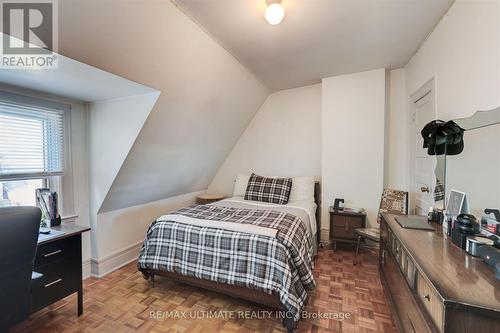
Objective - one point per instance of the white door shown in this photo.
(424, 111)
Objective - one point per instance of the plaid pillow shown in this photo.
(267, 189)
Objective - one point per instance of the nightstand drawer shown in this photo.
(343, 232)
(59, 280)
(55, 251)
(347, 221)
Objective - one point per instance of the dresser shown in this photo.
(342, 225)
(434, 286)
(57, 272)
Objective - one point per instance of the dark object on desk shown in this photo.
(414, 222)
(490, 255)
(495, 212)
(492, 224)
(44, 231)
(459, 238)
(343, 224)
(59, 260)
(18, 238)
(436, 216)
(473, 244)
(467, 224)
(337, 204)
(47, 201)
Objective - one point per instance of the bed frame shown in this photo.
(252, 295)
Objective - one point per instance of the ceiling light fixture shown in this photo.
(274, 13)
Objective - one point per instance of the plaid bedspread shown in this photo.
(279, 264)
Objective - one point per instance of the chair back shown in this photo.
(19, 227)
(393, 202)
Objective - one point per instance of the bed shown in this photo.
(260, 252)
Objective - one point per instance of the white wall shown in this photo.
(397, 152)
(282, 139)
(463, 55)
(353, 118)
(124, 231)
(113, 126)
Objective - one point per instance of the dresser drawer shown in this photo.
(431, 301)
(59, 280)
(54, 251)
(384, 232)
(408, 315)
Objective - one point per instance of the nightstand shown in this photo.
(342, 225)
(207, 198)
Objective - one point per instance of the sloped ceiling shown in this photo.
(74, 80)
(318, 38)
(207, 97)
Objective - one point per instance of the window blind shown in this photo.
(31, 137)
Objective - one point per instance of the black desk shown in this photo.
(59, 260)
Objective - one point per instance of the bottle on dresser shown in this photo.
(447, 221)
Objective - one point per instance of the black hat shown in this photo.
(454, 138)
(443, 138)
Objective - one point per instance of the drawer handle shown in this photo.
(52, 283)
(427, 298)
(46, 255)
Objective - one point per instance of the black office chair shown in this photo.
(19, 228)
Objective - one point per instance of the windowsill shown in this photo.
(69, 219)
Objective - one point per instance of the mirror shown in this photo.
(476, 171)
(440, 179)
(480, 119)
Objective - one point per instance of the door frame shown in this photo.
(426, 88)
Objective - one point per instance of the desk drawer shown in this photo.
(54, 251)
(431, 300)
(59, 280)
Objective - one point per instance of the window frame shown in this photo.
(60, 183)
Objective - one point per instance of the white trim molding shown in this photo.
(114, 261)
(86, 269)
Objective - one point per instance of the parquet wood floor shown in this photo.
(123, 301)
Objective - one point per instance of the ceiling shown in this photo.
(318, 38)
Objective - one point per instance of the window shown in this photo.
(31, 146)
(20, 192)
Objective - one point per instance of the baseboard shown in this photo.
(86, 269)
(112, 262)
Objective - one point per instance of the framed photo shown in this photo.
(457, 203)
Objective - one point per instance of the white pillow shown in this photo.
(302, 188)
(240, 185)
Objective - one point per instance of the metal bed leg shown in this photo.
(289, 324)
(357, 251)
(153, 279)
